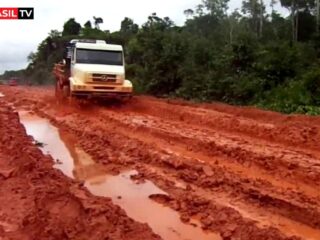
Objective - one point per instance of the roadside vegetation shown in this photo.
(251, 56)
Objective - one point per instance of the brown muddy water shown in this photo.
(124, 192)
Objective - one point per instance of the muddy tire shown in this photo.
(58, 93)
(125, 100)
(66, 91)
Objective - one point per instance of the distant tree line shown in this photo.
(250, 56)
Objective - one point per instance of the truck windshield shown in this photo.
(99, 57)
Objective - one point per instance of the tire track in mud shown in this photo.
(246, 151)
(98, 152)
(289, 130)
(221, 190)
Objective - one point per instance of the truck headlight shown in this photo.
(127, 89)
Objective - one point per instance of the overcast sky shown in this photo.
(19, 38)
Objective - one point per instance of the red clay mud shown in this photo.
(240, 173)
(125, 190)
(39, 202)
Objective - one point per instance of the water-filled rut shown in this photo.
(133, 197)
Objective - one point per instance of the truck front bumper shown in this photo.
(89, 94)
(101, 91)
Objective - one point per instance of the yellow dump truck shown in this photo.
(92, 69)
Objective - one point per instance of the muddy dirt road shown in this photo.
(155, 169)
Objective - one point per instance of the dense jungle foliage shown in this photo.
(251, 56)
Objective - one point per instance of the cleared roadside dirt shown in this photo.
(242, 173)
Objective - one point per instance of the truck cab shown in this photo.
(93, 68)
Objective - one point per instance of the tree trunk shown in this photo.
(297, 26)
(318, 16)
(274, 29)
(261, 18)
(231, 33)
(293, 13)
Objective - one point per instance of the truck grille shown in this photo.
(104, 78)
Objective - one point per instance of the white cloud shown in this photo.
(19, 38)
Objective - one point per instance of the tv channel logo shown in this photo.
(16, 13)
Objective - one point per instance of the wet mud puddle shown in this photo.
(130, 196)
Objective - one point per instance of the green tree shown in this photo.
(295, 7)
(71, 27)
(216, 8)
(128, 29)
(255, 10)
(128, 26)
(88, 24)
(188, 13)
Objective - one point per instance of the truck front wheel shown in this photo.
(58, 92)
(66, 91)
